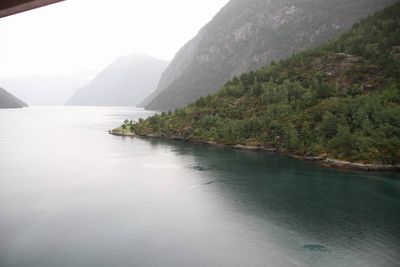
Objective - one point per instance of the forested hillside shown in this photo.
(248, 34)
(340, 100)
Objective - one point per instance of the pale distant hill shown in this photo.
(7, 100)
(46, 89)
(126, 82)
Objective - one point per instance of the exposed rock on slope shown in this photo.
(247, 34)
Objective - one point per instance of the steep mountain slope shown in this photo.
(247, 34)
(341, 100)
(125, 82)
(46, 89)
(7, 100)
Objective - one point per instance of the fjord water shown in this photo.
(73, 195)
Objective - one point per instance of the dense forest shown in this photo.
(341, 100)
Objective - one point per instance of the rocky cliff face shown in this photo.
(126, 82)
(7, 100)
(247, 34)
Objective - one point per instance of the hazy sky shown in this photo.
(89, 34)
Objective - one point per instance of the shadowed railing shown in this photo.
(10, 7)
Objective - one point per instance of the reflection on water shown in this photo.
(330, 210)
(72, 195)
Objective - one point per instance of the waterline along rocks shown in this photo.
(340, 101)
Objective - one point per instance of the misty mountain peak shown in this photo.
(125, 82)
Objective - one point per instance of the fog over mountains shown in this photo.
(247, 34)
(126, 82)
(46, 89)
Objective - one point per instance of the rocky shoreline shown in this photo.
(322, 160)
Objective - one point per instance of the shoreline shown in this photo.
(322, 161)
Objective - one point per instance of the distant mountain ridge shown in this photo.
(7, 100)
(247, 34)
(125, 82)
(47, 89)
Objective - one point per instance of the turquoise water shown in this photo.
(73, 195)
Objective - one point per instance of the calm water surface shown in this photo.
(73, 195)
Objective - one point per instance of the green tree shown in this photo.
(328, 126)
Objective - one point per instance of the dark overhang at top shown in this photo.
(10, 7)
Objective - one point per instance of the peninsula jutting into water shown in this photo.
(338, 103)
(72, 195)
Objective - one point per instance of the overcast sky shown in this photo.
(89, 34)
